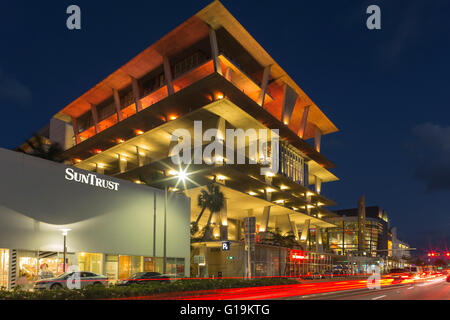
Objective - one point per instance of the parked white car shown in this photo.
(59, 282)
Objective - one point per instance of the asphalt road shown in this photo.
(434, 289)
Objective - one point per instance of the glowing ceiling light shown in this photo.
(270, 190)
(97, 151)
(120, 141)
(252, 193)
(279, 201)
(270, 174)
(309, 193)
(77, 160)
(294, 208)
(173, 117)
(221, 178)
(172, 172)
(100, 165)
(139, 132)
(219, 96)
(284, 187)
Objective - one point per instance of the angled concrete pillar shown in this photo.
(319, 244)
(317, 138)
(221, 129)
(117, 104)
(229, 74)
(305, 231)
(95, 118)
(264, 83)
(289, 100)
(265, 219)
(215, 51)
(136, 94)
(76, 131)
(304, 122)
(293, 227)
(168, 75)
(318, 184)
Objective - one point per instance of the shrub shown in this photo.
(152, 288)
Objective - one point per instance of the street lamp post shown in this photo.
(165, 231)
(64, 233)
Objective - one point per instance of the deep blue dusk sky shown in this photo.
(386, 90)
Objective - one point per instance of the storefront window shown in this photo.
(111, 266)
(124, 267)
(175, 266)
(92, 262)
(149, 264)
(4, 267)
(136, 264)
(40, 265)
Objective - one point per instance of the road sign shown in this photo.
(225, 245)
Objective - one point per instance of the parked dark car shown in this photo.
(145, 277)
(313, 276)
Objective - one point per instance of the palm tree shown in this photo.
(214, 200)
(42, 150)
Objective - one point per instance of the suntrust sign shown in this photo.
(92, 179)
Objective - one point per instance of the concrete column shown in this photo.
(215, 51)
(117, 103)
(264, 83)
(75, 130)
(168, 75)
(318, 184)
(289, 100)
(317, 138)
(268, 195)
(136, 94)
(224, 222)
(95, 117)
(303, 122)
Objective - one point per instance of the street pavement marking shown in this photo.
(379, 297)
(410, 288)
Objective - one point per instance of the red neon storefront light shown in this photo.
(297, 255)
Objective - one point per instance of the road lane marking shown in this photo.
(379, 297)
(410, 288)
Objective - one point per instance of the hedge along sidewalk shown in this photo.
(143, 290)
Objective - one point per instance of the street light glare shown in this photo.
(64, 231)
(182, 175)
